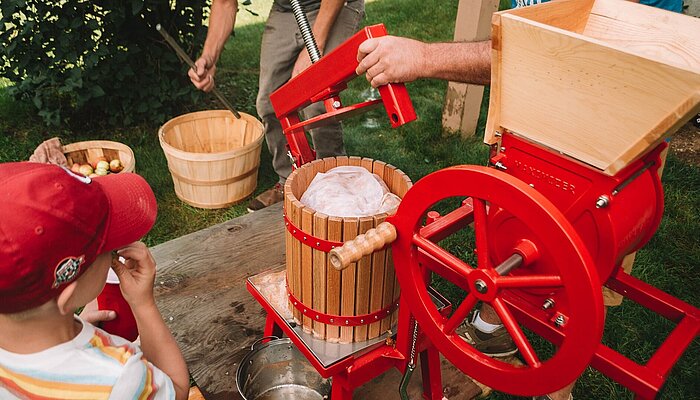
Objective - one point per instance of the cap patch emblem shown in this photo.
(66, 270)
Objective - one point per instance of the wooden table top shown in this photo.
(200, 291)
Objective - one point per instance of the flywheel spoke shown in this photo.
(529, 281)
(516, 333)
(446, 261)
(480, 233)
(460, 314)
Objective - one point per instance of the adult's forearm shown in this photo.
(221, 21)
(468, 62)
(160, 348)
(325, 19)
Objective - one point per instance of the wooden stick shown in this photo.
(187, 60)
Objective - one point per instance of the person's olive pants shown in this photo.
(281, 44)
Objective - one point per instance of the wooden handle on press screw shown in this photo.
(365, 244)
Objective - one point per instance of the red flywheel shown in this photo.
(554, 260)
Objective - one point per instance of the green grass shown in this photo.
(670, 261)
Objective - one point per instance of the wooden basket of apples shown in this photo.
(99, 157)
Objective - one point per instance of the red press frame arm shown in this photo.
(323, 81)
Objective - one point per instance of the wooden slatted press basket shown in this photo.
(354, 305)
(602, 81)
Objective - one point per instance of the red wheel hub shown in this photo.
(540, 256)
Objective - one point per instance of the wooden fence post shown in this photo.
(463, 101)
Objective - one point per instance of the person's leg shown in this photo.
(278, 53)
(328, 140)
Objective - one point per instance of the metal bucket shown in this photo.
(277, 370)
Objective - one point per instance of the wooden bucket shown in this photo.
(212, 156)
(89, 151)
(322, 298)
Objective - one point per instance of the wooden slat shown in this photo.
(377, 283)
(307, 222)
(328, 163)
(364, 276)
(403, 183)
(367, 163)
(289, 240)
(571, 15)
(297, 289)
(341, 161)
(659, 35)
(333, 289)
(397, 292)
(388, 295)
(388, 178)
(320, 274)
(348, 280)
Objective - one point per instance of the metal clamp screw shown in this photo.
(602, 202)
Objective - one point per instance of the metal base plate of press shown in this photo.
(271, 286)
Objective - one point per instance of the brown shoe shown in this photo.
(267, 198)
(495, 344)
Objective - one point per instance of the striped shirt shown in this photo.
(94, 365)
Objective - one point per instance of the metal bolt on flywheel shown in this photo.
(481, 286)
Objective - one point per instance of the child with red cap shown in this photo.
(59, 233)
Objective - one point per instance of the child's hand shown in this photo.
(136, 274)
(94, 316)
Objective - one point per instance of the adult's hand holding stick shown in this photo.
(187, 60)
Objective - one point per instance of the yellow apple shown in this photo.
(102, 164)
(86, 169)
(115, 165)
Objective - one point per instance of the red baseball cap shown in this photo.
(54, 223)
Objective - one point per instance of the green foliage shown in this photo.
(80, 61)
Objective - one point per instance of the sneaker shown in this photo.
(267, 198)
(495, 344)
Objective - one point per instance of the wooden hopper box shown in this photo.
(602, 81)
